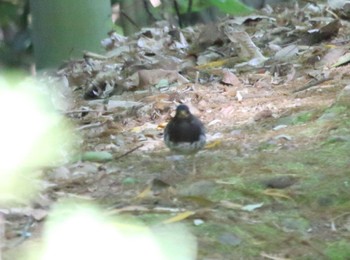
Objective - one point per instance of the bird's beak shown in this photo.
(183, 114)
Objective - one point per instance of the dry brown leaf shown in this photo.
(277, 194)
(272, 257)
(152, 77)
(243, 42)
(130, 208)
(146, 193)
(230, 205)
(227, 111)
(266, 113)
(39, 214)
(230, 78)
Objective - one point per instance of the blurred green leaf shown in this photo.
(338, 250)
(129, 180)
(231, 6)
(97, 156)
(8, 12)
(197, 5)
(225, 6)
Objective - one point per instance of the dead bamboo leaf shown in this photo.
(179, 217)
(147, 192)
(243, 42)
(230, 205)
(268, 256)
(213, 144)
(277, 194)
(153, 77)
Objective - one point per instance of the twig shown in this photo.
(177, 11)
(95, 56)
(130, 20)
(148, 11)
(128, 152)
(333, 226)
(311, 84)
(90, 126)
(189, 8)
(332, 13)
(263, 254)
(79, 111)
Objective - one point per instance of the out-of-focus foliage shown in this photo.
(31, 136)
(135, 14)
(79, 27)
(225, 6)
(76, 230)
(8, 12)
(15, 44)
(231, 6)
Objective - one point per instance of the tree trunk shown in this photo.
(63, 29)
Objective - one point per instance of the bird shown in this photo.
(185, 133)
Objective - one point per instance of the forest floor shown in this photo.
(273, 180)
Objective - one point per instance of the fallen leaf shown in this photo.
(277, 194)
(96, 156)
(179, 217)
(252, 207)
(153, 77)
(214, 144)
(230, 78)
(146, 193)
(266, 113)
(39, 214)
(230, 205)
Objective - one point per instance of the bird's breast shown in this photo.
(185, 132)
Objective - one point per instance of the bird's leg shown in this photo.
(178, 163)
(194, 165)
(182, 164)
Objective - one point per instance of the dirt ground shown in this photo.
(273, 180)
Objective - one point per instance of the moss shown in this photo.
(153, 218)
(339, 250)
(266, 146)
(264, 232)
(337, 110)
(303, 118)
(298, 118)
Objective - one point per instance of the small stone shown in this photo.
(198, 222)
(229, 239)
(278, 127)
(280, 182)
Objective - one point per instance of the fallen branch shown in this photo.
(128, 152)
(311, 84)
(93, 125)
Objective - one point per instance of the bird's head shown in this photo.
(182, 111)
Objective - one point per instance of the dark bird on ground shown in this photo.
(184, 133)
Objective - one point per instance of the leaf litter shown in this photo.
(272, 160)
